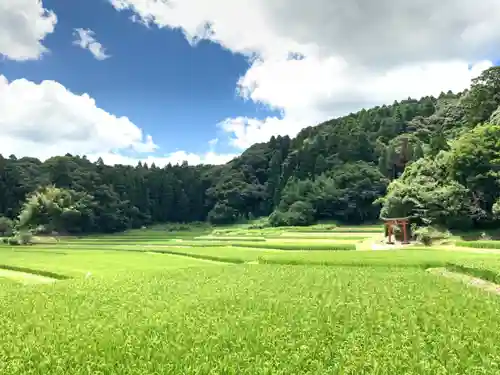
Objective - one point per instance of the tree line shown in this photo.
(436, 159)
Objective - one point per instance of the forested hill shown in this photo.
(342, 169)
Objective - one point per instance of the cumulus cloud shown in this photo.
(45, 119)
(298, 89)
(239, 26)
(246, 131)
(354, 54)
(383, 32)
(391, 32)
(23, 26)
(85, 38)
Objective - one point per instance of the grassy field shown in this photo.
(245, 301)
(78, 263)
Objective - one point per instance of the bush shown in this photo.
(479, 244)
(42, 229)
(22, 238)
(279, 219)
(6, 227)
(223, 214)
(260, 224)
(299, 213)
(428, 235)
(13, 241)
(25, 238)
(485, 236)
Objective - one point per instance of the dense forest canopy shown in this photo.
(436, 159)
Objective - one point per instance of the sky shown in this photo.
(196, 80)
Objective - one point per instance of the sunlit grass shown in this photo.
(479, 244)
(416, 257)
(251, 320)
(80, 263)
(254, 303)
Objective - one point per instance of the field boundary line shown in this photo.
(199, 256)
(25, 277)
(344, 264)
(33, 271)
(466, 278)
(183, 256)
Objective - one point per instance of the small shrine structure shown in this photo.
(400, 221)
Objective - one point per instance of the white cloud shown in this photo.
(386, 31)
(297, 88)
(85, 39)
(46, 119)
(247, 131)
(356, 53)
(23, 26)
(238, 25)
(391, 32)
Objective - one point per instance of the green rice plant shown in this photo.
(227, 254)
(297, 246)
(57, 264)
(120, 243)
(229, 238)
(217, 257)
(314, 236)
(132, 245)
(486, 269)
(479, 244)
(50, 274)
(308, 229)
(419, 258)
(251, 320)
(360, 230)
(475, 271)
(7, 283)
(197, 243)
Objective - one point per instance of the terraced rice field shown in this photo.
(148, 302)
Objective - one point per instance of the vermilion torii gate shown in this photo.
(403, 221)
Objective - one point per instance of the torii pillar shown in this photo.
(403, 221)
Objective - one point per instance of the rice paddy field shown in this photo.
(315, 300)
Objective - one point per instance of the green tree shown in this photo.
(6, 227)
(57, 209)
(495, 117)
(425, 193)
(475, 163)
(483, 97)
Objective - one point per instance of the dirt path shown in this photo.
(25, 277)
(469, 280)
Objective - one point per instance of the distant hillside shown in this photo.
(338, 170)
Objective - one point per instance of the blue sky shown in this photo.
(57, 98)
(172, 90)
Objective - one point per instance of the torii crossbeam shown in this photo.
(403, 221)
